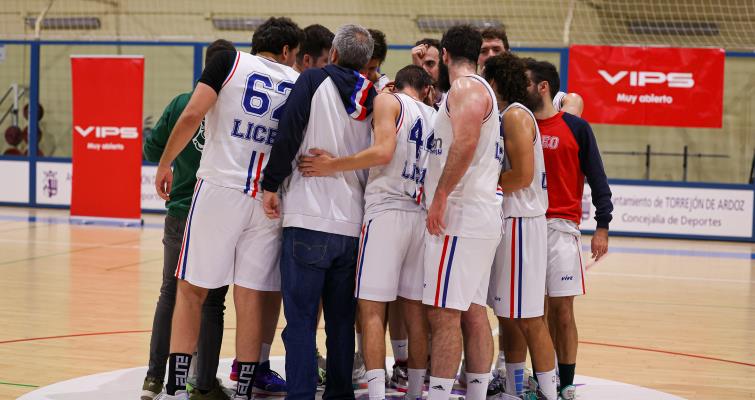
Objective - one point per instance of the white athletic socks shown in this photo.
(515, 378)
(477, 386)
(265, 352)
(440, 388)
(547, 383)
(359, 343)
(416, 382)
(376, 383)
(400, 349)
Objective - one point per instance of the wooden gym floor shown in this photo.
(676, 316)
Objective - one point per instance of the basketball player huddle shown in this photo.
(455, 188)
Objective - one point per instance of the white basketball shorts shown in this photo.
(391, 250)
(457, 270)
(517, 283)
(566, 274)
(229, 240)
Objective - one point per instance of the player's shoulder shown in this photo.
(574, 122)
(516, 111)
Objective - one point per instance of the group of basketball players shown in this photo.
(430, 197)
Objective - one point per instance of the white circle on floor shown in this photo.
(127, 384)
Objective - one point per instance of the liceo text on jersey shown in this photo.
(254, 132)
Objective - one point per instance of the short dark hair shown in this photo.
(316, 39)
(496, 33)
(216, 47)
(430, 42)
(509, 73)
(274, 34)
(544, 71)
(380, 49)
(413, 76)
(462, 42)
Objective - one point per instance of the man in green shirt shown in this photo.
(211, 336)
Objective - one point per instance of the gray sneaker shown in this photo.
(357, 374)
(151, 388)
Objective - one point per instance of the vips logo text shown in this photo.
(103, 132)
(683, 80)
(653, 86)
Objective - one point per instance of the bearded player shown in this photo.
(571, 155)
(517, 283)
(464, 218)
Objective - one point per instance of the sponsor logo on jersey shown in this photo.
(683, 80)
(550, 142)
(567, 278)
(101, 132)
(199, 138)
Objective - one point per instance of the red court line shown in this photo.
(620, 346)
(673, 353)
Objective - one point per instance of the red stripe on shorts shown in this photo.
(440, 270)
(513, 269)
(257, 178)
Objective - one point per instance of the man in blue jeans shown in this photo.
(322, 216)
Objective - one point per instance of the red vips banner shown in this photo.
(107, 131)
(649, 85)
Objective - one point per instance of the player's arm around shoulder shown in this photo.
(387, 110)
(519, 131)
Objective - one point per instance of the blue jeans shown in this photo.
(318, 265)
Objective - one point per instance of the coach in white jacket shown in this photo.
(328, 109)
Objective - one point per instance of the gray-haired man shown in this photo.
(327, 110)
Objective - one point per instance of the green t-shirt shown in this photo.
(186, 164)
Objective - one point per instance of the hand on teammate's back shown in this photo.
(320, 163)
(163, 181)
(599, 243)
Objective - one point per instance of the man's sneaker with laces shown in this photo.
(568, 392)
(497, 385)
(400, 378)
(180, 395)
(151, 388)
(359, 370)
(268, 382)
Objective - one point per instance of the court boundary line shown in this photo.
(586, 342)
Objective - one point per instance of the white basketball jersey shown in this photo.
(558, 99)
(474, 206)
(398, 185)
(242, 125)
(531, 201)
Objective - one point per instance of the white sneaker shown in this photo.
(180, 395)
(357, 374)
(568, 392)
